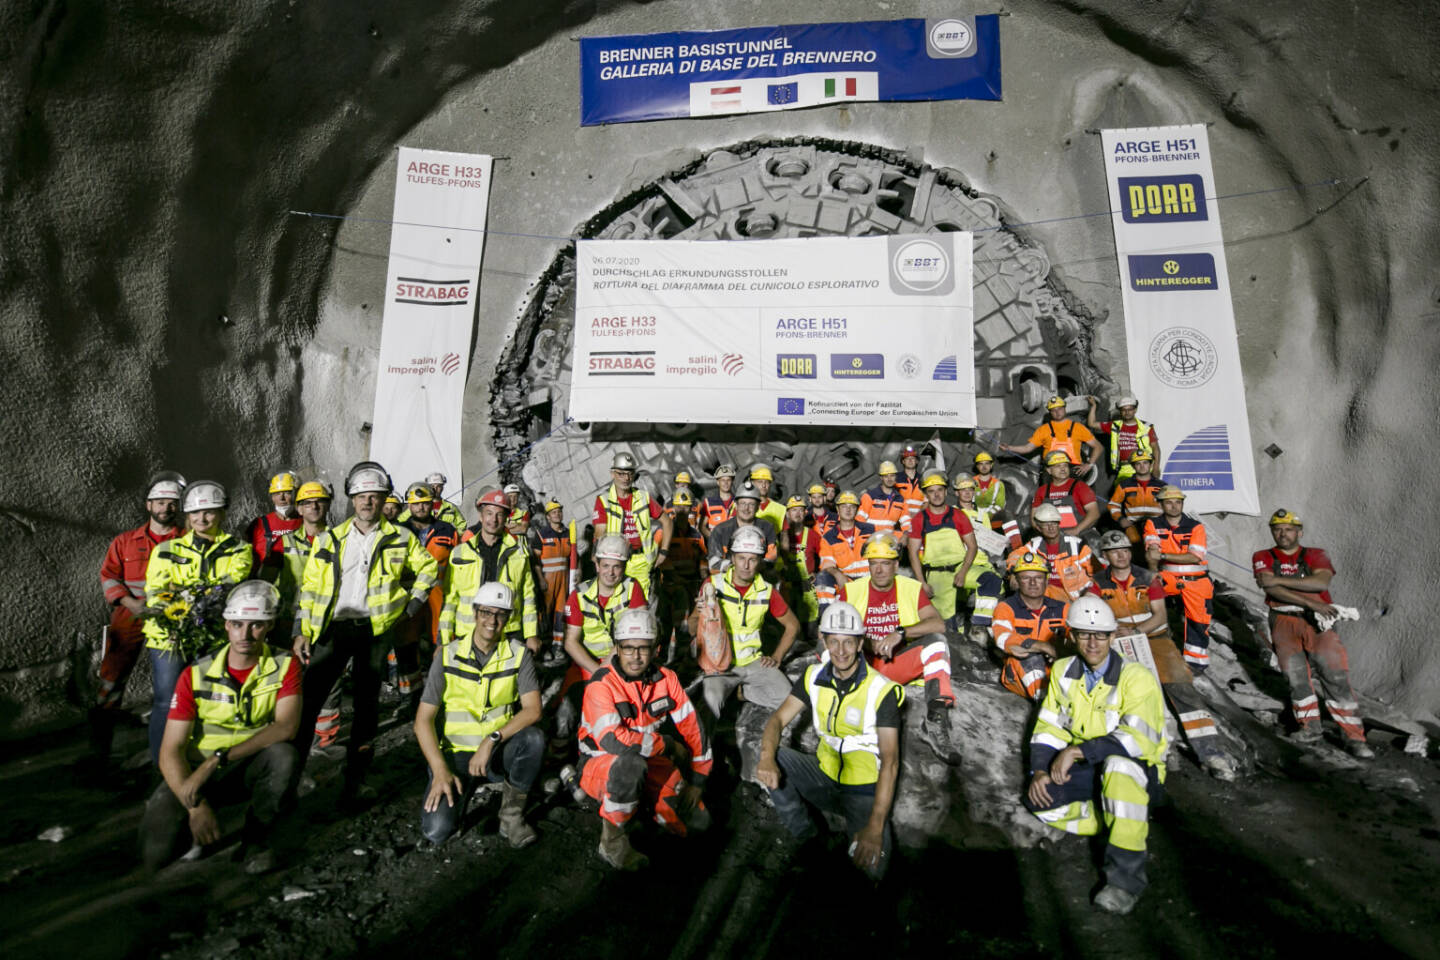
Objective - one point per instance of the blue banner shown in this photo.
(706, 73)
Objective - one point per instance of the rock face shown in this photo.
(161, 307)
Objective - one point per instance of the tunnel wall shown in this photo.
(161, 307)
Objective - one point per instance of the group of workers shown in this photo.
(731, 583)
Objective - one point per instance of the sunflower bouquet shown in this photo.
(192, 617)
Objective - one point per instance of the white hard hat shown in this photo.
(1127, 401)
(748, 540)
(1047, 513)
(622, 461)
(495, 595)
(843, 619)
(512, 488)
(637, 623)
(1114, 540)
(203, 495)
(367, 476)
(724, 470)
(252, 600)
(1092, 615)
(436, 477)
(612, 546)
(165, 486)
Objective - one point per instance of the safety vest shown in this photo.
(555, 549)
(1070, 567)
(882, 510)
(846, 549)
(597, 627)
(639, 509)
(979, 520)
(744, 616)
(1061, 441)
(1136, 500)
(1126, 703)
(440, 510)
(1142, 441)
(773, 513)
(1062, 497)
(397, 552)
(462, 579)
(478, 700)
(1130, 601)
(294, 551)
(849, 743)
(989, 493)
(188, 560)
(716, 510)
(907, 599)
(941, 546)
(910, 488)
(230, 713)
(822, 522)
(1015, 622)
(1187, 536)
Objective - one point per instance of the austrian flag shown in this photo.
(760, 94)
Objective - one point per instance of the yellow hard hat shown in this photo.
(1171, 492)
(314, 490)
(1057, 456)
(1031, 561)
(847, 496)
(682, 477)
(284, 482)
(932, 479)
(1285, 516)
(882, 546)
(760, 473)
(964, 482)
(391, 498)
(419, 493)
(886, 467)
(816, 489)
(794, 502)
(1141, 455)
(552, 505)
(682, 498)
(983, 457)
(1054, 402)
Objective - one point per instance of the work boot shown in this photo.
(259, 860)
(1359, 749)
(935, 732)
(1308, 733)
(615, 848)
(102, 734)
(554, 657)
(937, 714)
(1112, 899)
(512, 818)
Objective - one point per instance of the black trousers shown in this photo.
(346, 641)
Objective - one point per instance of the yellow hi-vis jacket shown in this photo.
(397, 552)
(849, 746)
(1124, 713)
(1142, 440)
(186, 561)
(229, 713)
(597, 628)
(907, 597)
(640, 509)
(744, 616)
(294, 552)
(462, 579)
(478, 700)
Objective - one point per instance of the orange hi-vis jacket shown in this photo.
(845, 548)
(884, 511)
(1067, 435)
(716, 510)
(1187, 536)
(1072, 566)
(1014, 623)
(910, 487)
(1135, 499)
(558, 555)
(621, 716)
(1130, 600)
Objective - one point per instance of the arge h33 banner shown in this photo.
(1179, 320)
(661, 76)
(431, 287)
(863, 332)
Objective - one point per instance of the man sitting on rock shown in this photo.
(1103, 719)
(488, 688)
(1028, 627)
(855, 711)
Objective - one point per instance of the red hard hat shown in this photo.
(495, 498)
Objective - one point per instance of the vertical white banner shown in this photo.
(1179, 321)
(432, 283)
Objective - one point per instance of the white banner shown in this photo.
(431, 288)
(870, 331)
(1179, 321)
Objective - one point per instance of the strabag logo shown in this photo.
(1150, 273)
(1183, 357)
(922, 266)
(622, 363)
(432, 293)
(950, 37)
(1162, 199)
(795, 366)
(857, 366)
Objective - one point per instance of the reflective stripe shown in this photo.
(610, 806)
(1126, 810)
(1049, 740)
(1132, 720)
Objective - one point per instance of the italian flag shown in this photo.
(833, 86)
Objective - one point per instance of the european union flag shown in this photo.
(790, 406)
(783, 92)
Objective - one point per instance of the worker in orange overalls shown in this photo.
(640, 740)
(680, 575)
(1072, 566)
(821, 514)
(883, 506)
(1175, 547)
(1028, 627)
(122, 577)
(717, 508)
(908, 481)
(1296, 581)
(1059, 432)
(841, 550)
(1133, 502)
(554, 546)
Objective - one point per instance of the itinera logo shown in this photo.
(922, 266)
(622, 363)
(432, 293)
